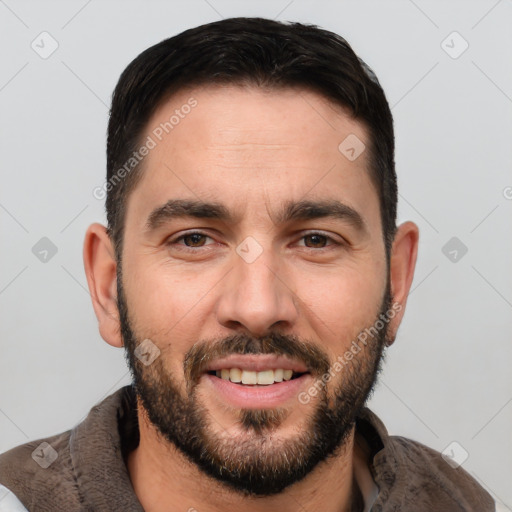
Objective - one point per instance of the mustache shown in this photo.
(202, 353)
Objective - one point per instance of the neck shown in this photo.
(161, 475)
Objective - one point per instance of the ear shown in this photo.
(402, 264)
(100, 270)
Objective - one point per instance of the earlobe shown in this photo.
(100, 269)
(402, 264)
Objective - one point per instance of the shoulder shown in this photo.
(437, 479)
(412, 476)
(30, 469)
(33, 456)
(72, 464)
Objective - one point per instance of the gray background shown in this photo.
(447, 378)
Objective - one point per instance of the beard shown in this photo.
(258, 462)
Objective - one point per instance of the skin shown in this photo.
(250, 150)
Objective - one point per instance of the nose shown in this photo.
(256, 296)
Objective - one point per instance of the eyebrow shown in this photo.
(181, 208)
(292, 211)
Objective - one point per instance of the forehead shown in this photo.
(253, 119)
(246, 144)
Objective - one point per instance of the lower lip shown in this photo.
(256, 397)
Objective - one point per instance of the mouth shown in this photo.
(253, 378)
(256, 381)
(256, 369)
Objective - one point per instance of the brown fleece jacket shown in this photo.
(89, 473)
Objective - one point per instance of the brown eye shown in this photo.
(317, 241)
(190, 241)
(195, 239)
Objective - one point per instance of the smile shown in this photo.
(261, 378)
(256, 381)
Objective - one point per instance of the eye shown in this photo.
(191, 240)
(318, 241)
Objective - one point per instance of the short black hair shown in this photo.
(246, 51)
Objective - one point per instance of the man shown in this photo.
(253, 271)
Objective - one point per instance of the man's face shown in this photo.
(267, 283)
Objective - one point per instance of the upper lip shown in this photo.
(256, 363)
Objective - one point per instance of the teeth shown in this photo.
(264, 378)
(235, 375)
(278, 375)
(249, 377)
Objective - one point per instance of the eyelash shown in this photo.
(194, 249)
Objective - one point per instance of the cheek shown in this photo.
(163, 302)
(342, 302)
